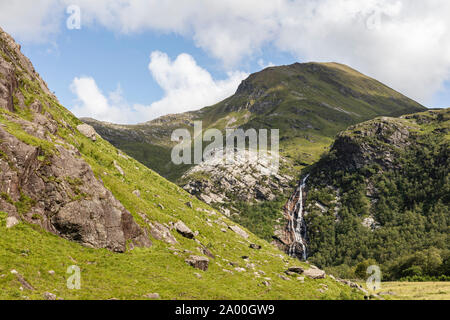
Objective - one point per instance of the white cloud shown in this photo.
(31, 20)
(92, 103)
(186, 87)
(403, 43)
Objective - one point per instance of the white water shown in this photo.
(297, 224)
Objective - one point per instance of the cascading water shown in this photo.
(296, 224)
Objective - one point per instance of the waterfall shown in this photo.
(296, 224)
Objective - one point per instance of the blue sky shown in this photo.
(132, 61)
(114, 60)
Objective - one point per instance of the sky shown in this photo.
(130, 61)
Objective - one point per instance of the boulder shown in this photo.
(198, 262)
(298, 270)
(119, 168)
(153, 296)
(137, 193)
(282, 276)
(22, 280)
(184, 230)
(162, 233)
(11, 222)
(314, 273)
(239, 231)
(88, 131)
(49, 296)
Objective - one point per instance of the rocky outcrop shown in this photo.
(44, 179)
(377, 141)
(220, 181)
(61, 194)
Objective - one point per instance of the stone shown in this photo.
(198, 275)
(118, 168)
(88, 131)
(255, 246)
(301, 279)
(198, 262)
(204, 250)
(137, 193)
(189, 204)
(22, 280)
(161, 233)
(51, 272)
(239, 231)
(153, 296)
(184, 230)
(11, 222)
(238, 269)
(282, 276)
(49, 296)
(314, 273)
(298, 270)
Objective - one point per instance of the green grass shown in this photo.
(416, 290)
(104, 275)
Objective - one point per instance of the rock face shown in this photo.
(48, 183)
(355, 147)
(244, 177)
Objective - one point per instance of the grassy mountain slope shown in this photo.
(382, 194)
(160, 268)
